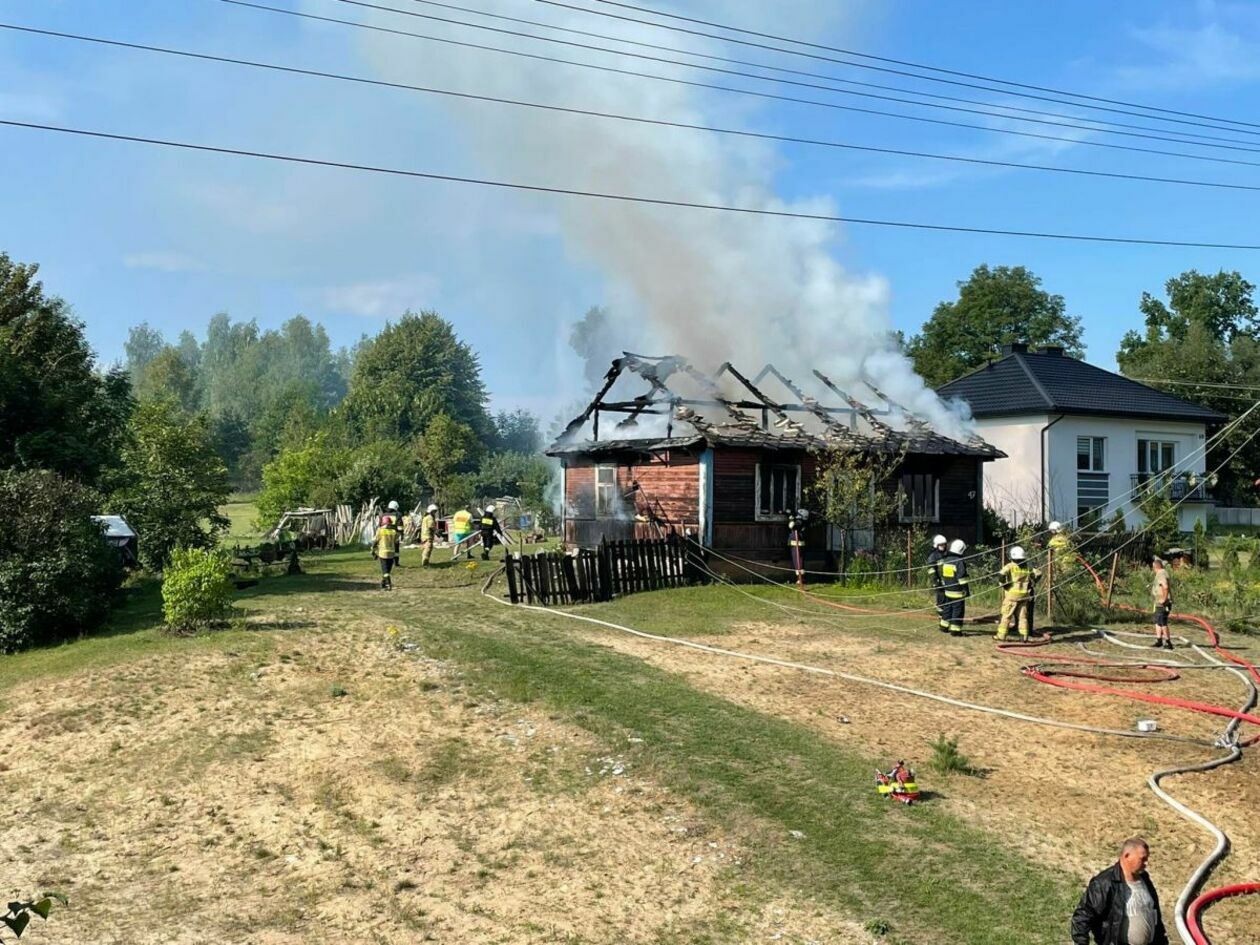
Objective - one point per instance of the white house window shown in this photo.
(1091, 454)
(605, 491)
(921, 498)
(1156, 456)
(778, 490)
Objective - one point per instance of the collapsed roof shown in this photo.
(683, 408)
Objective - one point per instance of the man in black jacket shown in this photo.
(1120, 905)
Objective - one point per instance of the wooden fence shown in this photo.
(614, 569)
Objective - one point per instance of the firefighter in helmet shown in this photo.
(934, 559)
(955, 585)
(1018, 579)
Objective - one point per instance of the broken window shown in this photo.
(920, 498)
(778, 490)
(605, 491)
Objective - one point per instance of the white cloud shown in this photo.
(163, 262)
(1222, 48)
(387, 299)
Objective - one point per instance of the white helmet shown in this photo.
(1017, 553)
(1056, 526)
(393, 506)
(939, 541)
(490, 509)
(957, 546)
(431, 508)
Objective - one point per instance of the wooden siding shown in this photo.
(668, 491)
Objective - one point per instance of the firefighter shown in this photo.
(461, 528)
(491, 531)
(935, 556)
(796, 529)
(428, 534)
(1062, 552)
(399, 526)
(955, 586)
(384, 549)
(1018, 580)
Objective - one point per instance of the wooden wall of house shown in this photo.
(735, 525)
(960, 492)
(668, 490)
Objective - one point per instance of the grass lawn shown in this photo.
(242, 511)
(431, 765)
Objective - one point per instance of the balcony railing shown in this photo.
(1186, 487)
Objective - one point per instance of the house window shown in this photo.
(1091, 454)
(778, 490)
(605, 491)
(1156, 456)
(920, 498)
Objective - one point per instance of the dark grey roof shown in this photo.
(1036, 382)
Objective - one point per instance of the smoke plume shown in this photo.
(710, 286)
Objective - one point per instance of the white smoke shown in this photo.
(708, 285)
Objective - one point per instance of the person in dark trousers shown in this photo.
(491, 532)
(384, 549)
(955, 585)
(1120, 905)
(934, 559)
(1161, 591)
(400, 527)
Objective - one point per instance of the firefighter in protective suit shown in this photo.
(955, 586)
(385, 549)
(1017, 579)
(491, 532)
(1062, 551)
(934, 559)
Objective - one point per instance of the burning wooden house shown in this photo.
(715, 456)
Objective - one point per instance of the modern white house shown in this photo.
(1079, 440)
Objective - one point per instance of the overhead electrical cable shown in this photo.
(591, 113)
(819, 75)
(900, 62)
(1248, 147)
(1214, 159)
(616, 197)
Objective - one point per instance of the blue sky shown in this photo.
(130, 234)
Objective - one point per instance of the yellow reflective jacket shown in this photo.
(385, 544)
(461, 522)
(1018, 579)
(427, 526)
(954, 577)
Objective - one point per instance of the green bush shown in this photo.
(57, 574)
(1077, 603)
(947, 759)
(196, 588)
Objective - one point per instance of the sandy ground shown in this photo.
(238, 797)
(1065, 796)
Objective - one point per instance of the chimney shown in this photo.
(1052, 351)
(1017, 347)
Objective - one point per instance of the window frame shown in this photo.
(1144, 456)
(606, 508)
(1096, 454)
(908, 496)
(760, 470)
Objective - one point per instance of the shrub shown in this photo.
(947, 759)
(297, 477)
(1077, 602)
(57, 574)
(196, 588)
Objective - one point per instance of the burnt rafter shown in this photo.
(736, 427)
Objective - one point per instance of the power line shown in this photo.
(590, 113)
(727, 88)
(900, 62)
(364, 4)
(621, 198)
(830, 78)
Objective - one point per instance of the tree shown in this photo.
(447, 448)
(56, 412)
(1205, 334)
(302, 476)
(169, 376)
(994, 307)
(384, 470)
(143, 344)
(517, 432)
(525, 475)
(170, 482)
(855, 490)
(412, 372)
(57, 574)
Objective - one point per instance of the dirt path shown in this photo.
(1067, 797)
(282, 794)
